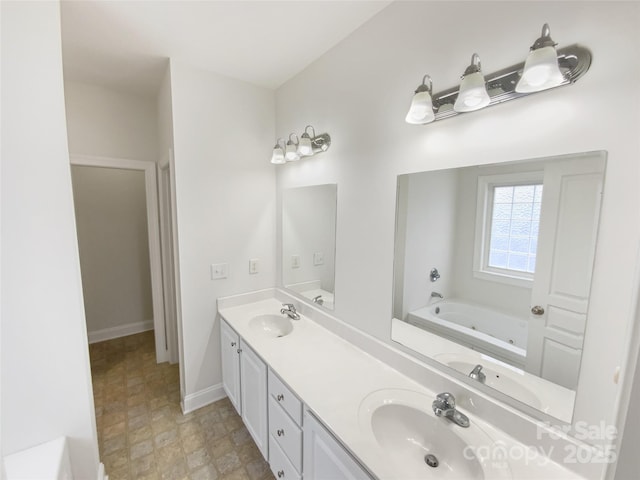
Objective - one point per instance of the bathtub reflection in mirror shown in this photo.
(309, 242)
(513, 246)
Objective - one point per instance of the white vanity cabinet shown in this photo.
(324, 457)
(230, 350)
(285, 430)
(244, 376)
(296, 445)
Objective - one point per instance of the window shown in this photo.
(515, 218)
(507, 227)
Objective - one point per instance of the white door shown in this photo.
(566, 249)
(253, 392)
(230, 351)
(324, 457)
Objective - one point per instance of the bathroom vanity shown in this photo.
(321, 406)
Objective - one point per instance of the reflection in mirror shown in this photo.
(309, 242)
(493, 266)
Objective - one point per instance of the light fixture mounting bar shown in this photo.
(321, 143)
(574, 61)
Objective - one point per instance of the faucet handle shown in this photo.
(448, 400)
(289, 306)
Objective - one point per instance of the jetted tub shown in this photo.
(478, 327)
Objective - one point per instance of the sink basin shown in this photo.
(420, 445)
(272, 325)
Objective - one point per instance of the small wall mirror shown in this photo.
(493, 269)
(309, 242)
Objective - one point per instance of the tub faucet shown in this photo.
(289, 309)
(436, 295)
(478, 374)
(445, 406)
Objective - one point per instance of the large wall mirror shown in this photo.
(309, 242)
(493, 268)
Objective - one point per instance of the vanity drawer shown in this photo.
(285, 398)
(286, 433)
(280, 465)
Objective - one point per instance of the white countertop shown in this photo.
(333, 377)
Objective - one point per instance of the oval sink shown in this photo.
(272, 325)
(421, 445)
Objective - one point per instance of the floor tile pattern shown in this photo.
(142, 432)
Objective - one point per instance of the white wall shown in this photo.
(429, 237)
(46, 382)
(107, 123)
(360, 90)
(111, 218)
(223, 132)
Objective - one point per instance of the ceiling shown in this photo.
(125, 44)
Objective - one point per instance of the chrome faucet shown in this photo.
(436, 295)
(445, 406)
(319, 300)
(289, 309)
(478, 374)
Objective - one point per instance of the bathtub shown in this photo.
(478, 327)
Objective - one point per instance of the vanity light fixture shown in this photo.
(541, 69)
(291, 151)
(544, 68)
(307, 146)
(473, 93)
(277, 158)
(421, 109)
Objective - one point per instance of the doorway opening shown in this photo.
(117, 216)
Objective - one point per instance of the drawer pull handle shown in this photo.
(280, 473)
(233, 344)
(280, 432)
(280, 397)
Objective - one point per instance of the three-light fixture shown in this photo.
(544, 68)
(296, 148)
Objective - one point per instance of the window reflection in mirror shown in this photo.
(309, 242)
(514, 246)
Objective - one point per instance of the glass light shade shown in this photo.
(291, 153)
(472, 94)
(541, 71)
(278, 156)
(421, 109)
(305, 148)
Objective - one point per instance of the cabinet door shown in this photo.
(253, 392)
(324, 457)
(230, 349)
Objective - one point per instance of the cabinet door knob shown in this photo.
(280, 397)
(280, 473)
(280, 432)
(233, 344)
(239, 350)
(537, 310)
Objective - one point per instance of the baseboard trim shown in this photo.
(102, 474)
(119, 331)
(202, 398)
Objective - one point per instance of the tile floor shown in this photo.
(142, 432)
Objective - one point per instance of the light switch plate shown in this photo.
(318, 258)
(295, 261)
(254, 266)
(219, 270)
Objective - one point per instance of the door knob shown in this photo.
(537, 310)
